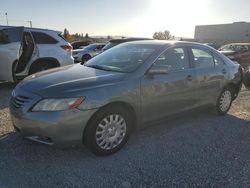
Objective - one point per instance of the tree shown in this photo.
(87, 35)
(66, 34)
(163, 35)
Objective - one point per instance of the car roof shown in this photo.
(30, 28)
(127, 40)
(237, 44)
(166, 42)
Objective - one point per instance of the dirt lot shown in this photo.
(197, 150)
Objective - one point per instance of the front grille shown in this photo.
(19, 101)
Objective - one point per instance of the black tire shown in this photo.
(246, 79)
(226, 97)
(91, 138)
(42, 66)
(85, 58)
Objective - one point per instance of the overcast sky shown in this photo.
(124, 17)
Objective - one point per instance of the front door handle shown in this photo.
(189, 78)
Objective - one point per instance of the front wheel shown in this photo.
(224, 101)
(108, 131)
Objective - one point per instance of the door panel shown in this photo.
(209, 75)
(28, 52)
(9, 51)
(164, 94)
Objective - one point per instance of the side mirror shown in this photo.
(158, 69)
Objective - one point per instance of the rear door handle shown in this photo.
(189, 78)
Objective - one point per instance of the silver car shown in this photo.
(85, 53)
(101, 102)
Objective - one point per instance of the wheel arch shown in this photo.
(52, 60)
(122, 104)
(234, 87)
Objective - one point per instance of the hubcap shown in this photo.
(111, 131)
(225, 100)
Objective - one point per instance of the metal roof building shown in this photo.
(223, 33)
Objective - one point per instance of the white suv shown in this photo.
(24, 51)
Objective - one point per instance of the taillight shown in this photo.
(67, 48)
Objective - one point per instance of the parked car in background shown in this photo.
(78, 44)
(86, 53)
(24, 51)
(115, 42)
(100, 102)
(239, 52)
(246, 78)
(212, 45)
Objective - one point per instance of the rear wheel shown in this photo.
(224, 101)
(85, 58)
(108, 131)
(38, 67)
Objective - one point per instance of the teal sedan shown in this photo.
(101, 102)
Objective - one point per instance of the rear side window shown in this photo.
(218, 61)
(99, 47)
(60, 35)
(43, 38)
(202, 58)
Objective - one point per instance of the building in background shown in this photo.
(223, 33)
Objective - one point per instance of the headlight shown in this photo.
(57, 104)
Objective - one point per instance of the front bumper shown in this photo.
(61, 128)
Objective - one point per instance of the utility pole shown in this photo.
(7, 21)
(30, 22)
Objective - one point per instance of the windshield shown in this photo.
(124, 58)
(109, 45)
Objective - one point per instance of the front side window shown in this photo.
(174, 58)
(202, 58)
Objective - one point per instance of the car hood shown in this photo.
(68, 80)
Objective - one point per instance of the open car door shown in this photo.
(10, 44)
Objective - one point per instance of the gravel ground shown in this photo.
(197, 150)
